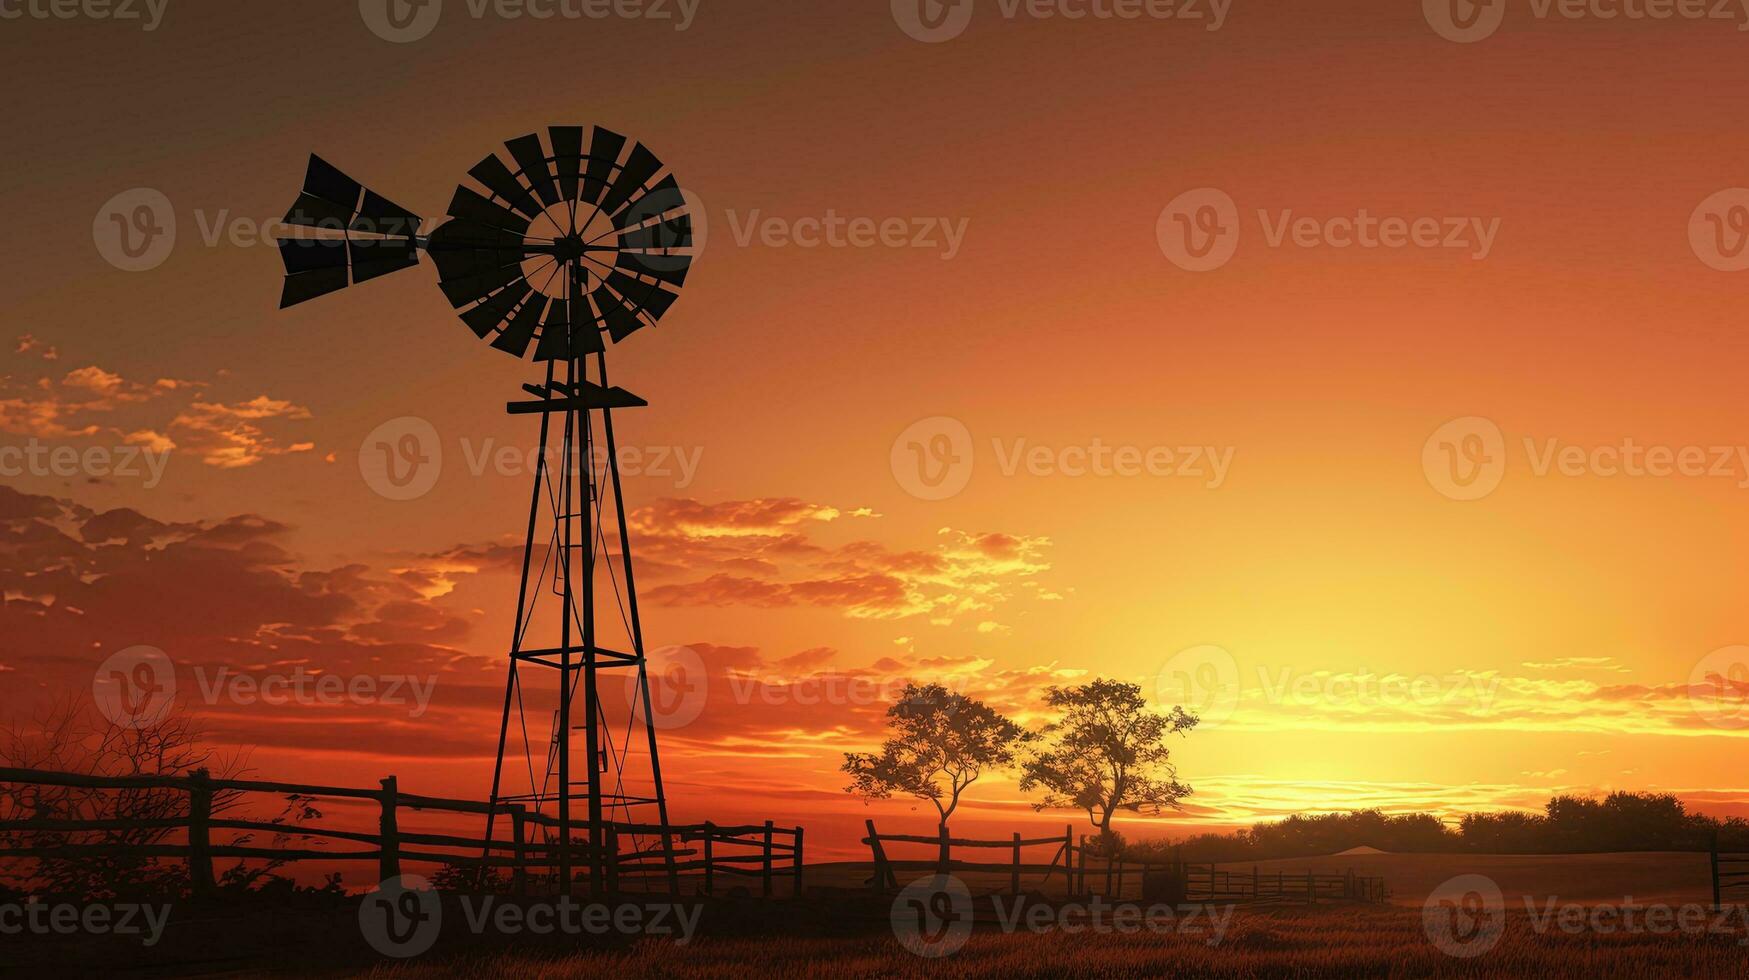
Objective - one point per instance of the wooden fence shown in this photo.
(1730, 869)
(703, 852)
(1016, 867)
(1082, 871)
(1210, 883)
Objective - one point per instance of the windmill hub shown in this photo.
(569, 248)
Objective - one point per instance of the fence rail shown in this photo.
(1060, 860)
(708, 851)
(1730, 869)
(1084, 871)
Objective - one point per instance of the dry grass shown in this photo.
(1332, 942)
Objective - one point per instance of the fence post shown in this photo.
(1014, 879)
(767, 862)
(389, 860)
(610, 857)
(797, 888)
(1069, 860)
(1714, 861)
(883, 875)
(518, 842)
(710, 832)
(1083, 850)
(1254, 882)
(200, 814)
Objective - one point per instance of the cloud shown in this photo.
(28, 344)
(769, 554)
(228, 436)
(92, 402)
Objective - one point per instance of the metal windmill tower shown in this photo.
(547, 254)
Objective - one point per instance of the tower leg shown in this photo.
(625, 552)
(562, 725)
(540, 477)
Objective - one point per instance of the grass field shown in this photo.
(1349, 942)
(840, 930)
(1667, 877)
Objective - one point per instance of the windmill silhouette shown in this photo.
(548, 254)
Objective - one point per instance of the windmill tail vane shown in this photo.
(553, 248)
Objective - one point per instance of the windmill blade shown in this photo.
(638, 169)
(520, 330)
(567, 158)
(378, 215)
(490, 315)
(605, 147)
(621, 322)
(313, 267)
(670, 269)
(555, 333)
(468, 205)
(532, 158)
(497, 178)
(376, 236)
(665, 197)
(329, 198)
(373, 258)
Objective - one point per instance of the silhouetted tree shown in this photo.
(942, 743)
(1107, 753)
(65, 737)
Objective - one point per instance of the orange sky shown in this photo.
(1582, 604)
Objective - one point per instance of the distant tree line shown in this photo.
(1568, 824)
